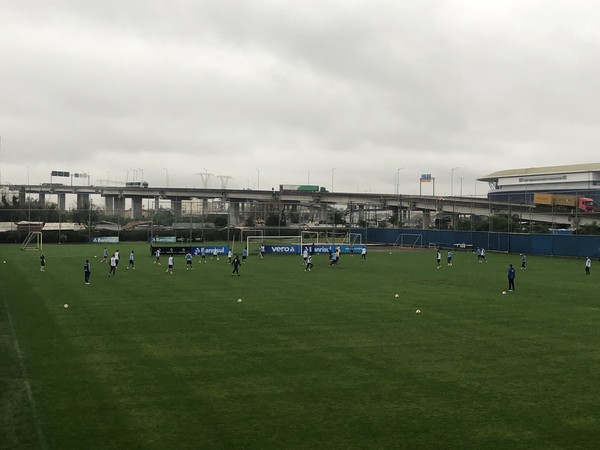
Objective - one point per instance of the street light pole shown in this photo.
(332, 170)
(452, 181)
(166, 176)
(257, 179)
(398, 180)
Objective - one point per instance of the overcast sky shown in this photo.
(272, 92)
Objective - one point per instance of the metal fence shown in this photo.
(534, 244)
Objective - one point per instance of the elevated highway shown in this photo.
(232, 199)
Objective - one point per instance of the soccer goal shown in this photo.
(33, 241)
(330, 238)
(409, 240)
(273, 244)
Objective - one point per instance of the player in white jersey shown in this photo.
(131, 258)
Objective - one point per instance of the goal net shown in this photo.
(330, 237)
(33, 241)
(273, 244)
(409, 240)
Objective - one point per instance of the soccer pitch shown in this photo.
(308, 360)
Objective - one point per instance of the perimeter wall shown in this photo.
(532, 244)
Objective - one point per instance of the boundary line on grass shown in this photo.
(36, 419)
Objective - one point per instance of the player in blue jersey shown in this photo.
(87, 271)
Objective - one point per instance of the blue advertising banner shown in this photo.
(312, 248)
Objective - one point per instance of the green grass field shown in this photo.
(308, 360)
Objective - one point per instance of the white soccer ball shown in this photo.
(95, 256)
(239, 300)
(397, 295)
(418, 311)
(65, 305)
(390, 253)
(503, 292)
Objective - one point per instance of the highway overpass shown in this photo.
(234, 201)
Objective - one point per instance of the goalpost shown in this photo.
(33, 241)
(330, 238)
(409, 240)
(253, 243)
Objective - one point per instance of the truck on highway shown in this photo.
(301, 188)
(571, 201)
(142, 184)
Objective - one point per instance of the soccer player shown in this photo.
(236, 266)
(131, 258)
(363, 253)
(203, 254)
(188, 261)
(483, 255)
(588, 265)
(157, 256)
(87, 271)
(305, 255)
(215, 254)
(117, 257)
(262, 251)
(511, 278)
(42, 263)
(229, 256)
(170, 265)
(244, 255)
(523, 261)
(449, 258)
(438, 258)
(105, 256)
(334, 259)
(309, 263)
(113, 266)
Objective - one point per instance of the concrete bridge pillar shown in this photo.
(426, 219)
(42, 199)
(109, 204)
(83, 201)
(176, 207)
(22, 197)
(234, 213)
(361, 213)
(136, 206)
(62, 202)
(119, 206)
(323, 213)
